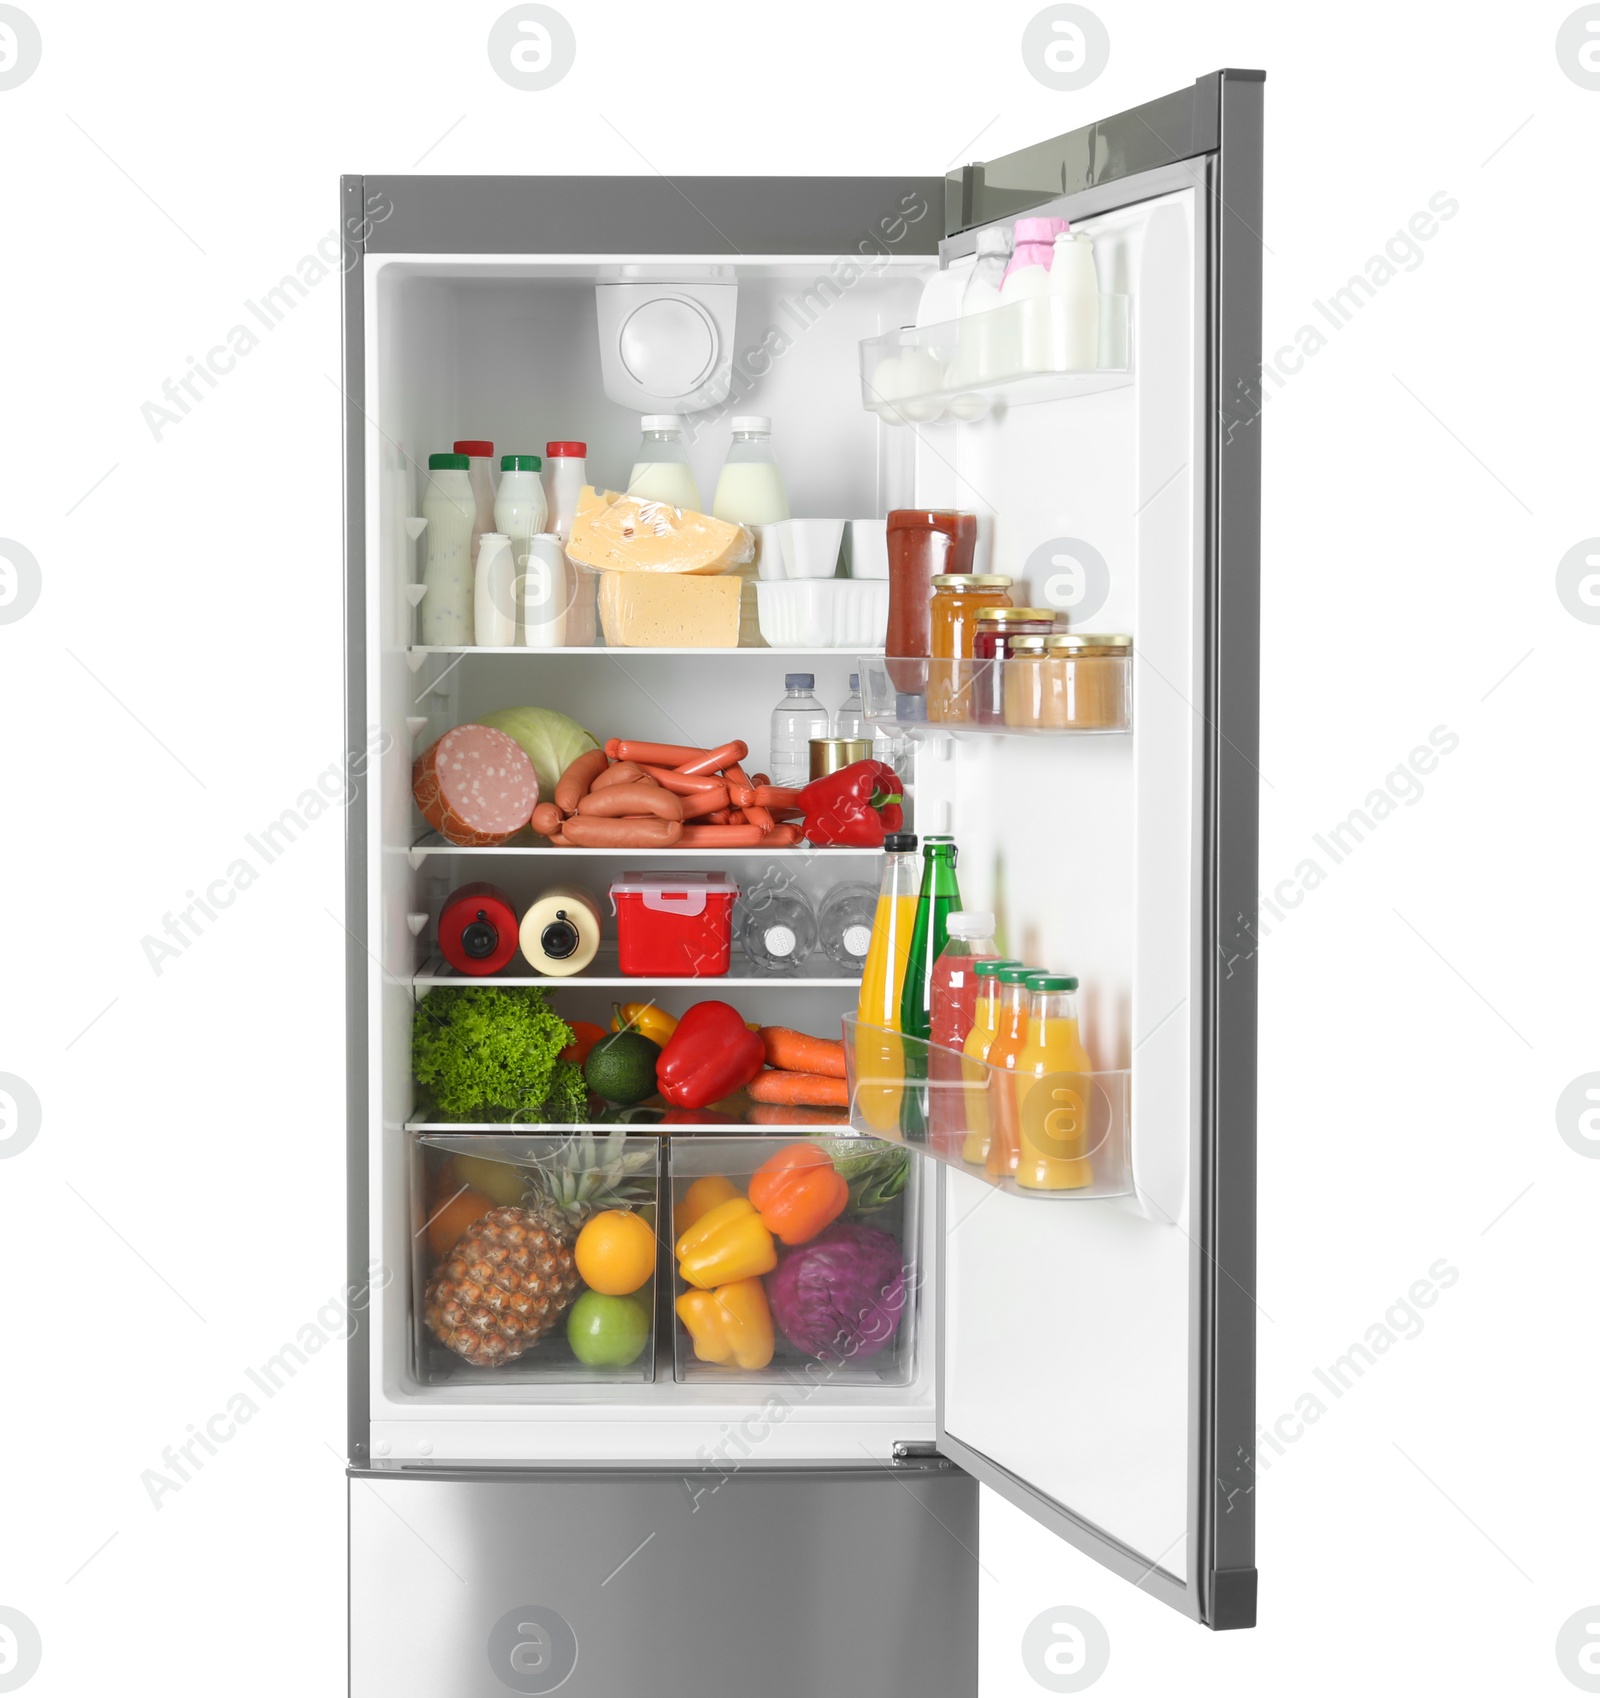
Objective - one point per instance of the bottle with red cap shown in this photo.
(480, 474)
(565, 474)
(477, 929)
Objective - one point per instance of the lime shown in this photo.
(622, 1068)
(608, 1332)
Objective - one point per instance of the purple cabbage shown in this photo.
(839, 1298)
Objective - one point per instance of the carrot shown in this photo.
(680, 783)
(720, 836)
(624, 772)
(653, 754)
(781, 1114)
(780, 837)
(714, 760)
(708, 802)
(796, 1052)
(574, 783)
(813, 1089)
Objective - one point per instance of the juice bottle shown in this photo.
(985, 1014)
(938, 899)
(1053, 1113)
(878, 1048)
(1010, 1037)
(954, 996)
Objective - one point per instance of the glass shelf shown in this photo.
(1069, 1131)
(1032, 696)
(965, 368)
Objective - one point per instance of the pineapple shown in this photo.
(510, 1277)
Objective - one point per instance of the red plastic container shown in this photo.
(677, 926)
(477, 929)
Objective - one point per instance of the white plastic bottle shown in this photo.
(480, 470)
(1027, 279)
(444, 619)
(661, 469)
(565, 473)
(983, 353)
(545, 594)
(795, 721)
(494, 597)
(520, 508)
(851, 719)
(1075, 285)
(750, 490)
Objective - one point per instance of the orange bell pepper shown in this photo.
(798, 1191)
(700, 1199)
(729, 1325)
(727, 1244)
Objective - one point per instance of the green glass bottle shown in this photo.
(938, 899)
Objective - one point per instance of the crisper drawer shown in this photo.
(791, 1583)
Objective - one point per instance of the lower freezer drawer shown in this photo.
(761, 1583)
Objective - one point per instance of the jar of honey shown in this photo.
(959, 600)
(1077, 681)
(996, 629)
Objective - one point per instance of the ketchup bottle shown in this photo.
(477, 929)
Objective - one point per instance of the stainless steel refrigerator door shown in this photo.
(1133, 1356)
(779, 1583)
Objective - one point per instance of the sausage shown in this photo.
(714, 760)
(781, 837)
(624, 772)
(585, 831)
(760, 779)
(720, 836)
(743, 795)
(624, 799)
(680, 783)
(707, 802)
(657, 754)
(547, 819)
(574, 783)
(475, 786)
(775, 796)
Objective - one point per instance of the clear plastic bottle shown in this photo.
(844, 924)
(795, 721)
(661, 469)
(954, 999)
(777, 924)
(880, 1053)
(851, 719)
(750, 490)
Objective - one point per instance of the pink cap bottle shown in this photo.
(1033, 240)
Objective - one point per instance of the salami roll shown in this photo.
(475, 786)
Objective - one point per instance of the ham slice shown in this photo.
(475, 786)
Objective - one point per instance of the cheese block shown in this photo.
(625, 533)
(669, 610)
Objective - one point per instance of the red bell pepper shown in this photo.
(857, 806)
(711, 1055)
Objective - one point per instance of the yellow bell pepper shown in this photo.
(727, 1243)
(700, 1199)
(645, 1018)
(729, 1325)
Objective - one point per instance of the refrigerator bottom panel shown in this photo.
(761, 1583)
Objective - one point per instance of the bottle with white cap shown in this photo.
(661, 469)
(795, 721)
(750, 490)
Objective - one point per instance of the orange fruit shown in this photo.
(449, 1219)
(615, 1252)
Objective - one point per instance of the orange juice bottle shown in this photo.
(1053, 1091)
(878, 1054)
(1010, 1038)
(985, 1013)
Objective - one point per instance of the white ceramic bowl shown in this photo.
(869, 548)
(820, 613)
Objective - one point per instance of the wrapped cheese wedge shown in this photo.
(625, 533)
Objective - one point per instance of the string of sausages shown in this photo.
(637, 795)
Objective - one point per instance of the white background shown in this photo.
(178, 684)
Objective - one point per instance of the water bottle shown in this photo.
(777, 924)
(795, 721)
(844, 924)
(851, 719)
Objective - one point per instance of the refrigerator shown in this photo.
(1087, 1354)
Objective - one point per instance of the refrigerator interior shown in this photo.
(1063, 1342)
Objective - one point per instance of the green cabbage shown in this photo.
(549, 739)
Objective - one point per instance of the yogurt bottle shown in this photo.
(519, 505)
(565, 474)
(444, 619)
(480, 470)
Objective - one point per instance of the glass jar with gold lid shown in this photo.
(997, 628)
(1074, 681)
(959, 600)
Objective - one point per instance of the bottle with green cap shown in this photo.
(444, 617)
(520, 510)
(938, 899)
(1055, 1090)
